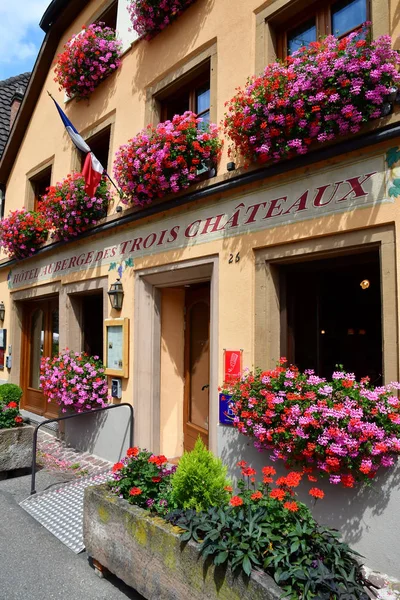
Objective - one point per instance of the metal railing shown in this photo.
(88, 412)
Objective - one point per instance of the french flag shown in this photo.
(92, 169)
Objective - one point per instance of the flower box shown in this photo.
(150, 17)
(166, 159)
(70, 210)
(88, 58)
(148, 555)
(22, 233)
(16, 448)
(321, 92)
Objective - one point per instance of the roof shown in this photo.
(51, 14)
(8, 88)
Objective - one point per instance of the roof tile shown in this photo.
(7, 89)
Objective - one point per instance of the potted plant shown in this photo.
(74, 380)
(15, 437)
(344, 429)
(22, 233)
(87, 60)
(149, 17)
(205, 541)
(322, 91)
(69, 210)
(166, 158)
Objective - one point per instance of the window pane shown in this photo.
(203, 99)
(37, 341)
(206, 120)
(55, 333)
(177, 106)
(302, 35)
(348, 15)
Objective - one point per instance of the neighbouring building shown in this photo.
(11, 94)
(265, 261)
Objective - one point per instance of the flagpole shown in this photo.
(119, 191)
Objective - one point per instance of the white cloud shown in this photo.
(20, 35)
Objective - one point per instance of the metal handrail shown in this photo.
(87, 412)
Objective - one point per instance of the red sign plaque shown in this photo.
(232, 365)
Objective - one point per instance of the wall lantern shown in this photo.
(116, 295)
(2, 311)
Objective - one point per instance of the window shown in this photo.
(39, 184)
(338, 18)
(191, 92)
(109, 16)
(99, 144)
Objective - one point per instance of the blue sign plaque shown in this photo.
(226, 415)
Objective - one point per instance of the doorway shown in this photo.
(93, 324)
(40, 338)
(196, 364)
(331, 314)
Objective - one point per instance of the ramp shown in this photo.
(60, 509)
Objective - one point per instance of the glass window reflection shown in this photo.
(302, 36)
(348, 15)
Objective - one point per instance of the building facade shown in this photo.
(296, 259)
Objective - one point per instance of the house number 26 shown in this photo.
(236, 258)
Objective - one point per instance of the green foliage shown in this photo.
(200, 480)
(307, 561)
(9, 392)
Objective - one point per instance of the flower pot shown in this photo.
(147, 554)
(16, 448)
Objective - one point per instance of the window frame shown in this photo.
(157, 91)
(34, 176)
(102, 18)
(92, 138)
(189, 87)
(323, 22)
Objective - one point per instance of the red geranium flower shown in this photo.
(117, 467)
(236, 501)
(278, 494)
(135, 491)
(132, 451)
(292, 506)
(256, 496)
(316, 493)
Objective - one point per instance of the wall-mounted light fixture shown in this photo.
(116, 295)
(364, 285)
(2, 311)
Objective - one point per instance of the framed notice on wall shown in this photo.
(116, 347)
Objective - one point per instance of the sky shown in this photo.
(20, 35)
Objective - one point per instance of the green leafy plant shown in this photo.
(144, 479)
(200, 480)
(9, 392)
(269, 529)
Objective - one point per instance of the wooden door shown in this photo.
(39, 339)
(197, 364)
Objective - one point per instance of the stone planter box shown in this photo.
(16, 448)
(147, 554)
